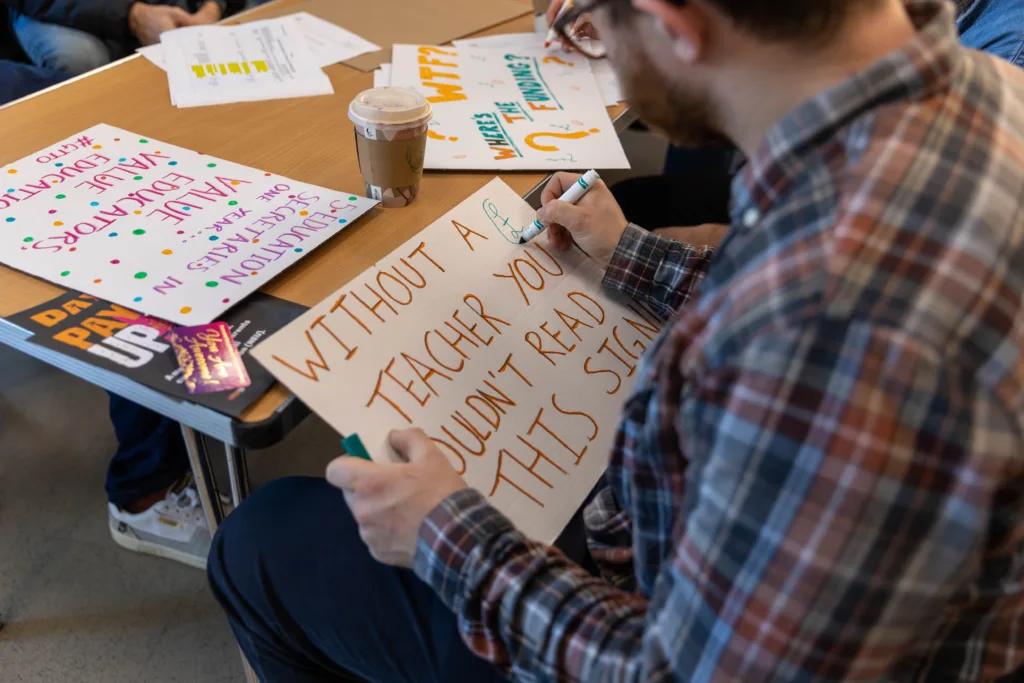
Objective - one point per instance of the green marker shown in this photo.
(354, 447)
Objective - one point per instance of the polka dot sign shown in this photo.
(175, 233)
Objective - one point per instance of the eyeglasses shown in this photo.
(563, 26)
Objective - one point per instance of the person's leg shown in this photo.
(996, 27)
(59, 48)
(309, 604)
(18, 80)
(150, 455)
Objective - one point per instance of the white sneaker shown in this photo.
(175, 528)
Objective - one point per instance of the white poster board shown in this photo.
(512, 358)
(518, 109)
(157, 228)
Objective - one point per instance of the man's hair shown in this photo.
(798, 20)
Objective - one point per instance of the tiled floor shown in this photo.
(78, 609)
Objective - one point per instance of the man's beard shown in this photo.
(685, 118)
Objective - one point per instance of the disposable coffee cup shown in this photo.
(391, 140)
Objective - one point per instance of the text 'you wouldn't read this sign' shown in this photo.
(513, 359)
(157, 228)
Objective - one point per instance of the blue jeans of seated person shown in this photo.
(309, 604)
(150, 455)
(18, 80)
(995, 27)
(64, 49)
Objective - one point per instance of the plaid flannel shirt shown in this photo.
(819, 475)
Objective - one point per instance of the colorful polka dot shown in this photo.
(137, 299)
(303, 213)
(138, 212)
(10, 219)
(59, 164)
(342, 221)
(298, 250)
(224, 301)
(172, 163)
(214, 238)
(54, 182)
(94, 203)
(256, 241)
(12, 171)
(57, 224)
(138, 231)
(334, 211)
(112, 234)
(212, 283)
(138, 177)
(61, 196)
(235, 182)
(253, 272)
(117, 139)
(211, 165)
(97, 281)
(166, 252)
(123, 159)
(144, 141)
(352, 199)
(187, 208)
(52, 211)
(181, 232)
(97, 146)
(141, 275)
(115, 261)
(186, 310)
(266, 174)
(65, 273)
(28, 239)
(233, 203)
(73, 249)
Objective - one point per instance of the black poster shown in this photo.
(116, 338)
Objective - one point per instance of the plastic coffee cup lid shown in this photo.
(389, 108)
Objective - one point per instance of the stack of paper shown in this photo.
(261, 60)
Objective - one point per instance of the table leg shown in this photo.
(238, 473)
(206, 484)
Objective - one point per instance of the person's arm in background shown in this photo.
(116, 19)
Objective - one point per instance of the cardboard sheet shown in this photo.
(513, 359)
(400, 21)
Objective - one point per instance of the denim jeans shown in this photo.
(63, 49)
(309, 604)
(150, 453)
(995, 27)
(18, 80)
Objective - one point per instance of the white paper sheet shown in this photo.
(262, 60)
(514, 109)
(382, 76)
(328, 42)
(513, 359)
(157, 228)
(604, 74)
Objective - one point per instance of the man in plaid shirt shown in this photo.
(819, 475)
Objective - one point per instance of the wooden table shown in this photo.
(309, 139)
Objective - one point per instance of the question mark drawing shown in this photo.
(531, 139)
(437, 136)
(556, 60)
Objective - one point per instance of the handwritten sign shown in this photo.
(513, 359)
(509, 109)
(157, 228)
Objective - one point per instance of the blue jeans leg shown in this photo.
(309, 604)
(996, 27)
(150, 453)
(18, 80)
(63, 49)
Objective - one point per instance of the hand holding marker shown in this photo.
(552, 34)
(571, 196)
